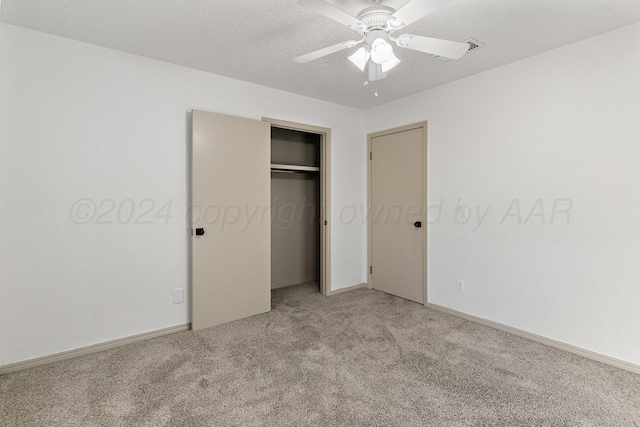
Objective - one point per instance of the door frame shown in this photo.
(425, 201)
(325, 194)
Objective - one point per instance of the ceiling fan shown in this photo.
(377, 24)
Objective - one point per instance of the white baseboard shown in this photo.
(347, 289)
(70, 354)
(542, 340)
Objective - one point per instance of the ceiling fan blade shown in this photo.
(413, 11)
(303, 59)
(439, 47)
(332, 12)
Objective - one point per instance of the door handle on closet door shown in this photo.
(199, 231)
(417, 224)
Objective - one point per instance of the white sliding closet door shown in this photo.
(231, 194)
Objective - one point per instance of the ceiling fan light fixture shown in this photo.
(381, 51)
(360, 58)
(390, 63)
(377, 25)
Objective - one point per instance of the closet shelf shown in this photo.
(293, 168)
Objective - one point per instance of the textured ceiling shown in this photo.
(255, 40)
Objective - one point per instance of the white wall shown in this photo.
(80, 121)
(564, 124)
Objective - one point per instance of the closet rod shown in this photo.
(291, 171)
(275, 166)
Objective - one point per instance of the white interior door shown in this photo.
(231, 194)
(397, 210)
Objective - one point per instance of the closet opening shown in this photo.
(299, 205)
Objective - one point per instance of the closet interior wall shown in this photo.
(295, 201)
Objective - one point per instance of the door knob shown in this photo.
(417, 224)
(199, 231)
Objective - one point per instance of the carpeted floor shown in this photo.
(358, 358)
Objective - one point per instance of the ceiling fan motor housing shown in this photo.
(376, 34)
(375, 17)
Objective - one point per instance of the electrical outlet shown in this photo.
(460, 285)
(178, 296)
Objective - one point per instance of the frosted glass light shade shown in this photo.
(390, 63)
(360, 58)
(381, 51)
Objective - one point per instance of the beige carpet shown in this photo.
(359, 358)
